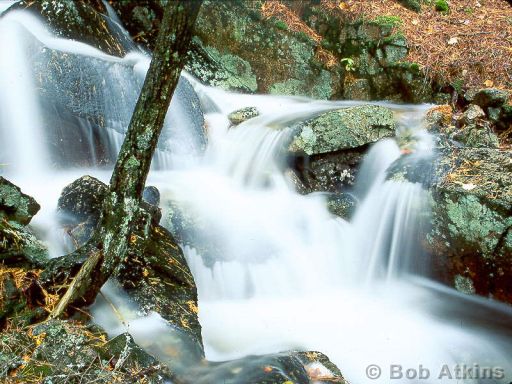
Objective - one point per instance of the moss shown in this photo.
(388, 21)
(280, 24)
(442, 6)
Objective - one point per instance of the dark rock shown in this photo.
(241, 115)
(15, 206)
(64, 351)
(288, 367)
(342, 129)
(341, 204)
(83, 199)
(151, 195)
(491, 97)
(333, 171)
(86, 21)
(20, 248)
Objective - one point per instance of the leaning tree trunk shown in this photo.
(122, 216)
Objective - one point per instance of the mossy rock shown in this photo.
(345, 128)
(15, 206)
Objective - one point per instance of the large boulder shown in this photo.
(86, 21)
(346, 128)
(471, 233)
(327, 150)
(470, 238)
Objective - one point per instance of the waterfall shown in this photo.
(274, 269)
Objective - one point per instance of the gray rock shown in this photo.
(344, 129)
(15, 206)
(241, 115)
(491, 97)
(472, 113)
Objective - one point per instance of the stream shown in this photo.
(274, 269)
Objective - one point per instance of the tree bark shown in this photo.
(123, 220)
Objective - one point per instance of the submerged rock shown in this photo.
(342, 129)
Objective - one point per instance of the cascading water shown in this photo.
(275, 270)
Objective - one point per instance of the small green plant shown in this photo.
(468, 10)
(442, 6)
(280, 24)
(388, 21)
(458, 84)
(349, 64)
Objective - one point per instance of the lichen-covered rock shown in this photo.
(471, 234)
(472, 113)
(241, 115)
(344, 129)
(15, 206)
(19, 246)
(61, 352)
(236, 48)
(341, 204)
(491, 97)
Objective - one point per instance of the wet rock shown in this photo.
(491, 97)
(63, 351)
(342, 129)
(19, 246)
(155, 273)
(236, 48)
(471, 234)
(332, 171)
(86, 21)
(287, 367)
(83, 198)
(151, 195)
(341, 204)
(15, 206)
(241, 115)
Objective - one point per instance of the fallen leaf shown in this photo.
(415, 22)
(488, 83)
(453, 41)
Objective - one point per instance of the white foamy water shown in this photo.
(274, 269)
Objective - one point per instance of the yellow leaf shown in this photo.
(488, 83)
